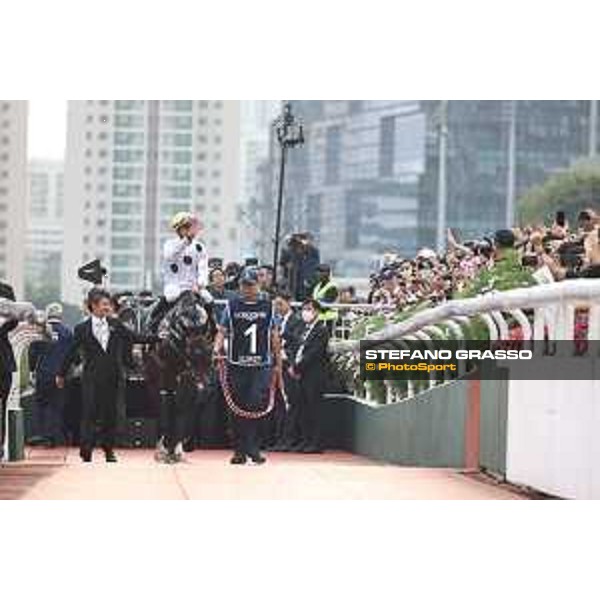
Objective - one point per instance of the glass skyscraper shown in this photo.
(367, 180)
(548, 137)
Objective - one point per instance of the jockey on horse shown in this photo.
(184, 320)
(184, 266)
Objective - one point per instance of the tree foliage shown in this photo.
(571, 191)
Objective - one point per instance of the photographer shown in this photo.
(300, 260)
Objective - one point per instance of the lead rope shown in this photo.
(231, 404)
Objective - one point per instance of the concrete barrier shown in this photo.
(433, 429)
(539, 434)
(493, 423)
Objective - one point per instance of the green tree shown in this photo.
(570, 191)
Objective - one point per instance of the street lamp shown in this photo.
(290, 133)
(442, 192)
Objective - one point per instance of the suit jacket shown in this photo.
(313, 358)
(8, 363)
(97, 363)
(291, 336)
(47, 356)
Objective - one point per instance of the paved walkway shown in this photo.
(59, 474)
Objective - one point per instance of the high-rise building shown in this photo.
(368, 180)
(130, 165)
(354, 184)
(256, 122)
(44, 230)
(496, 151)
(13, 191)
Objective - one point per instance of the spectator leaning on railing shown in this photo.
(508, 259)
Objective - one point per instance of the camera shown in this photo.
(530, 260)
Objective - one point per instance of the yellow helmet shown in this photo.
(181, 219)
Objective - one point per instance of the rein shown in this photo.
(228, 394)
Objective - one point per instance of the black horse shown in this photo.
(182, 359)
(176, 365)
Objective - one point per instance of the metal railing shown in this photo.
(31, 327)
(541, 312)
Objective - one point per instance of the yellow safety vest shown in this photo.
(319, 292)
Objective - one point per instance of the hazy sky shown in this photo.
(47, 128)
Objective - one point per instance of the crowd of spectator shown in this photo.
(528, 256)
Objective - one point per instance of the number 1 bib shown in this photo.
(250, 332)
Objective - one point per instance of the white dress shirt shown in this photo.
(305, 335)
(101, 331)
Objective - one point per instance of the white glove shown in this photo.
(206, 296)
(172, 292)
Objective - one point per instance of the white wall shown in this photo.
(553, 436)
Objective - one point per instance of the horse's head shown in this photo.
(188, 319)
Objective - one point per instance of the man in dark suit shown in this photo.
(45, 358)
(8, 364)
(102, 342)
(291, 326)
(310, 368)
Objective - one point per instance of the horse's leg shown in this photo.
(168, 388)
(182, 413)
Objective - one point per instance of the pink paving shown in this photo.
(207, 475)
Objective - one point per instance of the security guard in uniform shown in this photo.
(325, 292)
(184, 265)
